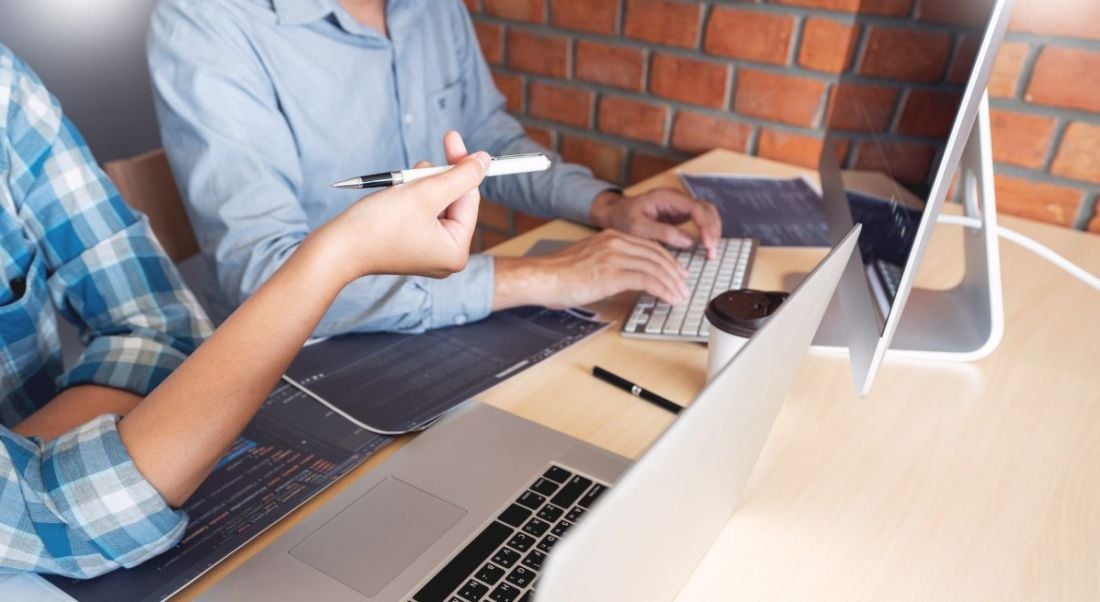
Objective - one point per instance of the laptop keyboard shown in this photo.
(890, 275)
(655, 319)
(502, 563)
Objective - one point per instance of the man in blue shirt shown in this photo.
(264, 103)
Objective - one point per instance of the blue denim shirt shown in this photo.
(264, 103)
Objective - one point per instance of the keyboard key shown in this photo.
(473, 590)
(544, 487)
(455, 599)
(531, 500)
(504, 593)
(550, 513)
(690, 327)
(675, 321)
(521, 542)
(514, 515)
(547, 543)
(655, 325)
(526, 597)
(490, 573)
(536, 527)
(462, 565)
(534, 560)
(575, 513)
(590, 497)
(560, 528)
(506, 557)
(520, 577)
(571, 491)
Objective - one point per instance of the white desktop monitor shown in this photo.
(948, 50)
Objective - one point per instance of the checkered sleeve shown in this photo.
(106, 272)
(77, 505)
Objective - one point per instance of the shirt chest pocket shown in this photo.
(444, 113)
(26, 308)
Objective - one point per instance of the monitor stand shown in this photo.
(964, 323)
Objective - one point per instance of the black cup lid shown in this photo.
(743, 311)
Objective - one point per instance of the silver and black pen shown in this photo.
(500, 166)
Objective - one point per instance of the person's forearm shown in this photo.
(176, 435)
(73, 407)
(519, 281)
(599, 215)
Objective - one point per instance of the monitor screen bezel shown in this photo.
(869, 332)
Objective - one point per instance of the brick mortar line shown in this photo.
(731, 87)
(1086, 211)
(752, 143)
(700, 26)
(1022, 106)
(1054, 144)
(678, 105)
(1053, 40)
(666, 136)
(571, 59)
(860, 51)
(1045, 177)
(838, 15)
(896, 111)
(704, 22)
(798, 31)
(850, 155)
(699, 54)
(1027, 69)
(781, 9)
(627, 157)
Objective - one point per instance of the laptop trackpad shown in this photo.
(379, 535)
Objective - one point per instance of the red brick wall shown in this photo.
(632, 87)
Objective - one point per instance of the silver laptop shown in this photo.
(489, 506)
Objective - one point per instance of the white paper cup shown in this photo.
(735, 316)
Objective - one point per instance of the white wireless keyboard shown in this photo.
(654, 319)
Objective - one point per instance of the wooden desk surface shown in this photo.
(948, 482)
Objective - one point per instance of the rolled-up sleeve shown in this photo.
(138, 321)
(105, 271)
(77, 505)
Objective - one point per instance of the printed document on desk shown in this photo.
(785, 212)
(396, 383)
(291, 450)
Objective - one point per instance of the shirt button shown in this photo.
(408, 118)
(460, 319)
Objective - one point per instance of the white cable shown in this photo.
(1039, 249)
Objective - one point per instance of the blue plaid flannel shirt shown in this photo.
(76, 505)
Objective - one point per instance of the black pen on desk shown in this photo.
(633, 389)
